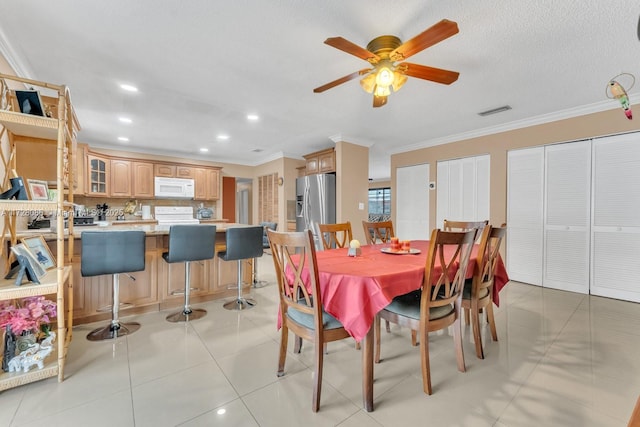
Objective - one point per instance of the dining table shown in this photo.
(355, 288)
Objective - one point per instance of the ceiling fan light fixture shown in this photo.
(398, 81)
(384, 77)
(382, 91)
(368, 83)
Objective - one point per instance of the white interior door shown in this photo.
(615, 247)
(567, 216)
(412, 202)
(463, 189)
(525, 188)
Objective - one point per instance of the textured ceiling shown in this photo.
(202, 65)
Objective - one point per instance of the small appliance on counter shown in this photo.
(204, 213)
(83, 220)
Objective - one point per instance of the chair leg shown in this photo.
(187, 312)
(317, 383)
(114, 329)
(466, 316)
(388, 326)
(457, 337)
(492, 321)
(297, 344)
(376, 334)
(414, 338)
(240, 303)
(424, 356)
(357, 345)
(283, 350)
(477, 337)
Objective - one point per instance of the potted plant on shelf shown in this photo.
(28, 320)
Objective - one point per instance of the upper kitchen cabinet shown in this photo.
(321, 162)
(173, 171)
(207, 183)
(120, 171)
(98, 175)
(142, 180)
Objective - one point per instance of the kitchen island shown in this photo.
(152, 288)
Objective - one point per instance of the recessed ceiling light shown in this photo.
(126, 120)
(204, 150)
(222, 137)
(128, 88)
(253, 117)
(123, 139)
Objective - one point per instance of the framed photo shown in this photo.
(38, 190)
(53, 195)
(22, 254)
(30, 102)
(40, 251)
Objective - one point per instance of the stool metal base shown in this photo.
(240, 304)
(185, 316)
(112, 331)
(260, 283)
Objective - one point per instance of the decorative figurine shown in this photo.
(617, 91)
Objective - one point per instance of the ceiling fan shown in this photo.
(386, 53)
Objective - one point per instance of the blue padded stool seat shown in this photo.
(189, 242)
(112, 252)
(242, 243)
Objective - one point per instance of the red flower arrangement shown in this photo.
(31, 314)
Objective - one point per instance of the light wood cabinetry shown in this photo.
(62, 128)
(213, 184)
(207, 183)
(200, 179)
(143, 180)
(168, 171)
(184, 172)
(120, 178)
(321, 162)
(98, 175)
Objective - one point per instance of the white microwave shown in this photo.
(174, 187)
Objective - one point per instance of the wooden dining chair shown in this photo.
(378, 232)
(301, 308)
(478, 291)
(465, 226)
(335, 235)
(438, 304)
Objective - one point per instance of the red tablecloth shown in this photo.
(355, 289)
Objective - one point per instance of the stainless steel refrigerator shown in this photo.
(315, 203)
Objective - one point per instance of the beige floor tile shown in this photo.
(232, 414)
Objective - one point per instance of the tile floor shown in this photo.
(562, 359)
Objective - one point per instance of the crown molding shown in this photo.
(13, 59)
(517, 124)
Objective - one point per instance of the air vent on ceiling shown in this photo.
(495, 110)
(257, 150)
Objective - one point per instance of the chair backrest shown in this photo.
(291, 252)
(378, 232)
(335, 235)
(111, 252)
(487, 259)
(267, 226)
(465, 226)
(243, 243)
(191, 242)
(446, 267)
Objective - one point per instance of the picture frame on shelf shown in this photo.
(27, 262)
(39, 251)
(38, 189)
(53, 194)
(30, 102)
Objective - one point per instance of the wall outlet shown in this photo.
(361, 206)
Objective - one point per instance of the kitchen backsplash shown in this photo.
(116, 206)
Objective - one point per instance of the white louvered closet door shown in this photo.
(525, 188)
(567, 216)
(463, 189)
(412, 202)
(615, 254)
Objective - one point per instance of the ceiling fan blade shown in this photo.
(432, 35)
(341, 80)
(437, 75)
(353, 49)
(379, 101)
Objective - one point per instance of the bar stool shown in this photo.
(192, 242)
(112, 252)
(242, 243)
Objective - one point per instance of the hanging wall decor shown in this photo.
(618, 87)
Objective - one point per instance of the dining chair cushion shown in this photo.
(466, 292)
(408, 305)
(306, 320)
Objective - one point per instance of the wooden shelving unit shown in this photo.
(61, 128)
